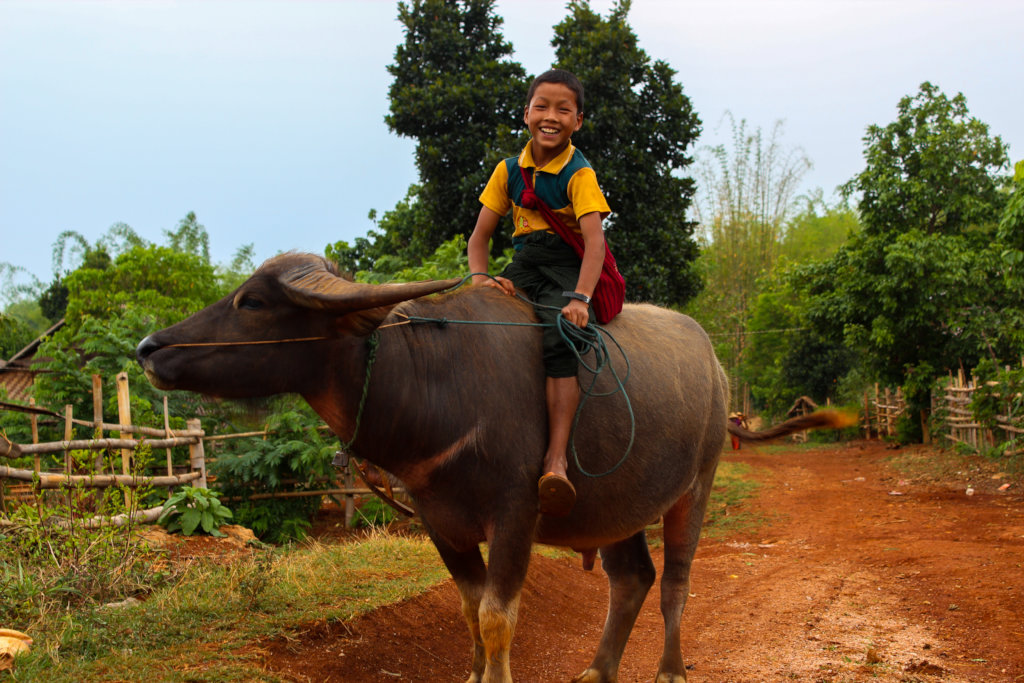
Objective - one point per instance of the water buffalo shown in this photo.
(457, 413)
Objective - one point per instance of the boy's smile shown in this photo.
(552, 117)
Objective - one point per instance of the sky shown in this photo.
(266, 119)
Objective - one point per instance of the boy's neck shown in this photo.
(542, 157)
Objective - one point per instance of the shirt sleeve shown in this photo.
(585, 194)
(495, 195)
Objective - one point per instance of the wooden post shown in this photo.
(196, 454)
(878, 414)
(124, 417)
(867, 417)
(350, 500)
(69, 434)
(34, 420)
(170, 459)
(97, 418)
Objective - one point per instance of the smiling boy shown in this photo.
(545, 267)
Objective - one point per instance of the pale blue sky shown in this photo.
(266, 118)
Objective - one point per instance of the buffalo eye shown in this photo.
(249, 303)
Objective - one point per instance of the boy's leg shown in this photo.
(557, 495)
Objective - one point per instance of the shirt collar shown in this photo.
(554, 166)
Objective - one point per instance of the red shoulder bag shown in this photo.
(610, 292)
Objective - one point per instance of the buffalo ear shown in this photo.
(311, 285)
(362, 323)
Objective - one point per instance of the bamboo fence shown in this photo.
(93, 476)
(122, 439)
(881, 412)
(952, 406)
(963, 427)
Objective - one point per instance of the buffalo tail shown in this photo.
(821, 419)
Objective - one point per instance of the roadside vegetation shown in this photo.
(915, 270)
(199, 618)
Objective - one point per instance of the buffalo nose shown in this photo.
(145, 348)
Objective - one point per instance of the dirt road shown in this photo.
(859, 574)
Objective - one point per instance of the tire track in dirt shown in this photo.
(845, 582)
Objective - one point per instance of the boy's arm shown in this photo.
(478, 250)
(576, 311)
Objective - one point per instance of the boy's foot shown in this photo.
(557, 495)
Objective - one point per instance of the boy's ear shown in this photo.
(579, 121)
(526, 114)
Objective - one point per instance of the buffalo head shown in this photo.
(259, 339)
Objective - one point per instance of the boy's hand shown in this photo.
(577, 313)
(504, 284)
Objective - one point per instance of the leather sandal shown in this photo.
(556, 494)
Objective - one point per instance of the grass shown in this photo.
(725, 515)
(201, 619)
(196, 629)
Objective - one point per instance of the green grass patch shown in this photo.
(194, 630)
(734, 484)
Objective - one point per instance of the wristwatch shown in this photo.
(576, 295)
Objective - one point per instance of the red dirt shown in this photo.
(845, 582)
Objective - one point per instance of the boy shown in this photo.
(545, 267)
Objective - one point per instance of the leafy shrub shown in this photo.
(51, 559)
(374, 513)
(296, 456)
(194, 508)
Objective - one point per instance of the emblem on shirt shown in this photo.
(524, 225)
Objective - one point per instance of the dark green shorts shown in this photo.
(543, 267)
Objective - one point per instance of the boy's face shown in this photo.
(552, 117)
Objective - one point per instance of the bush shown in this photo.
(194, 508)
(295, 457)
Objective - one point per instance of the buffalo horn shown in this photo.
(313, 286)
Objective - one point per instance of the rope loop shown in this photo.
(582, 341)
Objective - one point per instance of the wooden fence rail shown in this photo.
(193, 437)
(951, 404)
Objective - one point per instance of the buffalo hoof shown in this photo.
(591, 676)
(670, 678)
(557, 495)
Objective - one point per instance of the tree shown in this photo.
(921, 290)
(785, 356)
(745, 201)
(637, 129)
(456, 91)
(935, 168)
(14, 335)
(190, 237)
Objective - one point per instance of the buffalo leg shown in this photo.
(508, 560)
(469, 573)
(630, 576)
(682, 528)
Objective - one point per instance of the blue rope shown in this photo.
(592, 340)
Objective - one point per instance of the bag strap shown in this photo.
(530, 200)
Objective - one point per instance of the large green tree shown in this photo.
(638, 130)
(785, 358)
(746, 198)
(935, 168)
(920, 289)
(457, 92)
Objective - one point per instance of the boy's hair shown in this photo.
(563, 77)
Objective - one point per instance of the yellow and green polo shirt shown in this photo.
(567, 184)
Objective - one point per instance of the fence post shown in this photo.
(350, 499)
(867, 418)
(124, 417)
(196, 454)
(34, 421)
(97, 418)
(170, 459)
